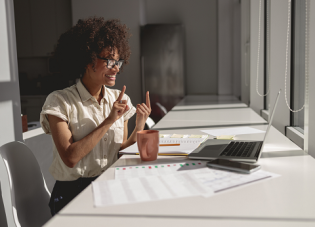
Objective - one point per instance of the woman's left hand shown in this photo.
(143, 112)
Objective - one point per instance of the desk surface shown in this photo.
(210, 106)
(278, 164)
(209, 102)
(186, 119)
(204, 99)
(165, 221)
(275, 141)
(287, 200)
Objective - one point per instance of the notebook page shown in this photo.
(187, 145)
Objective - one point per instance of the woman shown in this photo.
(88, 121)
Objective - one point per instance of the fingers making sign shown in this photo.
(143, 112)
(119, 108)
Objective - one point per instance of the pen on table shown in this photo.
(173, 144)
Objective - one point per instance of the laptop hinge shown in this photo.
(258, 150)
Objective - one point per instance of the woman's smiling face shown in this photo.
(102, 74)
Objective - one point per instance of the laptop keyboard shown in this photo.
(239, 149)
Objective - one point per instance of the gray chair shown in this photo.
(162, 108)
(24, 191)
(149, 123)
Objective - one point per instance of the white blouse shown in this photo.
(83, 114)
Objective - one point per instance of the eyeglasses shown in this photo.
(111, 62)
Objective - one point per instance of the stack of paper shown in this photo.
(155, 170)
(168, 181)
(187, 144)
(144, 189)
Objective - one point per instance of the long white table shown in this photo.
(275, 141)
(186, 119)
(287, 200)
(194, 102)
(134, 221)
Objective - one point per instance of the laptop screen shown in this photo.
(270, 121)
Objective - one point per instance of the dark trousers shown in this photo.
(64, 191)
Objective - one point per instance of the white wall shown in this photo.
(10, 108)
(199, 18)
(229, 55)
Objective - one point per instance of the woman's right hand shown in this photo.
(119, 108)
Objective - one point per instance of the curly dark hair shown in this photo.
(80, 45)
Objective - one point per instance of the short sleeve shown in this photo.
(55, 105)
(132, 109)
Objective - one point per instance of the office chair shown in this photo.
(149, 123)
(162, 108)
(25, 194)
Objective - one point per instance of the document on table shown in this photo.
(217, 180)
(127, 172)
(168, 181)
(232, 131)
(187, 144)
(144, 189)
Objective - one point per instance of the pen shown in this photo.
(173, 144)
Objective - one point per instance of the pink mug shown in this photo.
(148, 144)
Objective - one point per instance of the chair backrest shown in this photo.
(149, 122)
(162, 108)
(29, 194)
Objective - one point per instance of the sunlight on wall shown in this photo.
(4, 50)
(6, 122)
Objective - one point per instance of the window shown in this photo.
(267, 54)
(298, 62)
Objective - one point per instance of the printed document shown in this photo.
(217, 180)
(145, 189)
(168, 181)
(186, 144)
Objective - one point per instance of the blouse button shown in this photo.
(105, 139)
(105, 157)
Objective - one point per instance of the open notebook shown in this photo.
(187, 143)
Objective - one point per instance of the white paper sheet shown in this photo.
(187, 145)
(232, 131)
(217, 180)
(127, 172)
(144, 189)
(168, 181)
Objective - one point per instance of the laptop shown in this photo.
(235, 150)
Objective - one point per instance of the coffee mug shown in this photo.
(148, 144)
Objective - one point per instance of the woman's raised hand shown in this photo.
(143, 112)
(119, 108)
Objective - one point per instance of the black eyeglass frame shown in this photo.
(116, 62)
